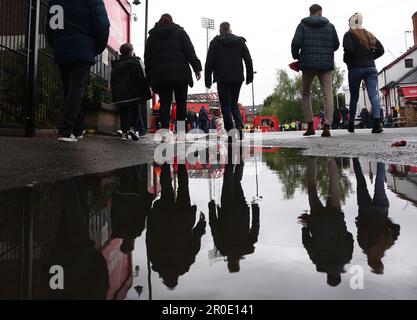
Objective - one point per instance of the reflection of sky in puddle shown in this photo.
(281, 268)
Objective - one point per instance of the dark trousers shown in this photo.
(229, 98)
(129, 114)
(140, 125)
(166, 94)
(74, 78)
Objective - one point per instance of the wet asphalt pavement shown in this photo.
(44, 160)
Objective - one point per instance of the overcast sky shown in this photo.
(269, 25)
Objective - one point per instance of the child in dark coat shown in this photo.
(129, 90)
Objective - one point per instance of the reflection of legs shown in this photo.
(227, 190)
(167, 191)
(333, 201)
(380, 197)
(364, 199)
(183, 197)
(313, 197)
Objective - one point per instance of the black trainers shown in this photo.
(326, 131)
(377, 126)
(351, 127)
(132, 134)
(310, 131)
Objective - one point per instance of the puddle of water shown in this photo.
(278, 226)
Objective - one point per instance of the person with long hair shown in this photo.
(169, 53)
(362, 48)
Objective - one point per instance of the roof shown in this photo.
(399, 58)
(409, 78)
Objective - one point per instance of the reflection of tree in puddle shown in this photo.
(291, 168)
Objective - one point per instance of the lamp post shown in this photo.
(253, 97)
(136, 3)
(207, 24)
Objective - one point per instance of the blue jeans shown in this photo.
(370, 76)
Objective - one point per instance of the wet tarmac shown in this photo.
(277, 225)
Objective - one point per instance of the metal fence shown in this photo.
(30, 86)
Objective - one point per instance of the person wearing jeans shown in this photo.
(314, 45)
(224, 65)
(84, 36)
(377, 233)
(362, 48)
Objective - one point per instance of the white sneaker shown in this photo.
(125, 137)
(72, 138)
(81, 136)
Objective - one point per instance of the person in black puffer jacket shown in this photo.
(129, 89)
(362, 48)
(169, 53)
(77, 38)
(225, 61)
(314, 44)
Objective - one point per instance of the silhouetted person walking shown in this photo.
(325, 235)
(173, 241)
(130, 207)
(224, 65)
(169, 53)
(204, 120)
(376, 231)
(362, 48)
(314, 44)
(82, 36)
(230, 225)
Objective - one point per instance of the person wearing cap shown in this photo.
(362, 48)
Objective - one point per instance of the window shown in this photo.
(409, 63)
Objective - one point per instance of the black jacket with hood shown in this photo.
(314, 44)
(128, 81)
(168, 55)
(225, 59)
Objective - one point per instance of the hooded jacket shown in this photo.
(168, 55)
(128, 82)
(314, 44)
(225, 60)
(85, 34)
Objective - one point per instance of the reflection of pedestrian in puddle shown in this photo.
(86, 275)
(173, 241)
(130, 207)
(376, 232)
(325, 235)
(230, 225)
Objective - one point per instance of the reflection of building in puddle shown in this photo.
(401, 180)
